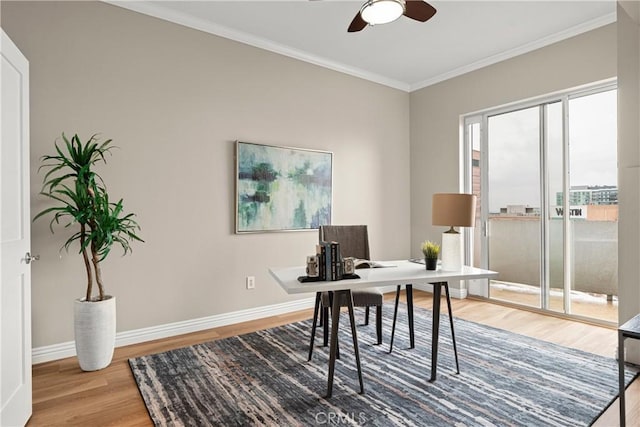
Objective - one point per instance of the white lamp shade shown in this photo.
(381, 11)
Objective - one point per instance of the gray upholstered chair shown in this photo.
(354, 242)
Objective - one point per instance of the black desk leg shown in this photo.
(395, 316)
(316, 308)
(453, 334)
(409, 289)
(331, 298)
(437, 291)
(333, 346)
(354, 334)
(621, 397)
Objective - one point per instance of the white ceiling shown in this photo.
(405, 54)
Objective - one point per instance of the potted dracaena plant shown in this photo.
(431, 250)
(81, 202)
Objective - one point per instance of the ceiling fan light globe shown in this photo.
(381, 11)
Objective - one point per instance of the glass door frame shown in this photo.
(482, 118)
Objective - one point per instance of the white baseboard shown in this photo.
(68, 349)
(458, 293)
(136, 336)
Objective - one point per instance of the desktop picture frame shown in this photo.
(282, 188)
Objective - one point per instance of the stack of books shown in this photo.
(329, 261)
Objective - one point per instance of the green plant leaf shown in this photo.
(81, 199)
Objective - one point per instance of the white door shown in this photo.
(15, 234)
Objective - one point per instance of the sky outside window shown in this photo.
(514, 150)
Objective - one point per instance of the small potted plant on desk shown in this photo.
(81, 200)
(431, 250)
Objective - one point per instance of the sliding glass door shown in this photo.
(513, 214)
(545, 175)
(593, 205)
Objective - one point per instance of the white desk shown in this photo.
(403, 272)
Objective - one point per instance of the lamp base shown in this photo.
(452, 254)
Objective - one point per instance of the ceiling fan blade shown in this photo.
(357, 24)
(418, 10)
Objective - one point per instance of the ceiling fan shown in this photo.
(375, 12)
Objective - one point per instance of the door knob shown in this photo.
(28, 258)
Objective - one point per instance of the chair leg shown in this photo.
(325, 330)
(379, 323)
(366, 315)
(325, 326)
(316, 309)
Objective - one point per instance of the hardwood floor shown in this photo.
(63, 395)
(593, 306)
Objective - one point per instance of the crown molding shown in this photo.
(529, 47)
(157, 11)
(160, 12)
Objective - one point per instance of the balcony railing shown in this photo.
(514, 251)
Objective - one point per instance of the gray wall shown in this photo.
(436, 110)
(174, 100)
(629, 164)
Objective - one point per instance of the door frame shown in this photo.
(481, 118)
(17, 408)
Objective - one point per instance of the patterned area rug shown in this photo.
(263, 378)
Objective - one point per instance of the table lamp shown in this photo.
(453, 210)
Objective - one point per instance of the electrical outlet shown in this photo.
(251, 282)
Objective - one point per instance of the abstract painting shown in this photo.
(282, 188)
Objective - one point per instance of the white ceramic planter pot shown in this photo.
(95, 332)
